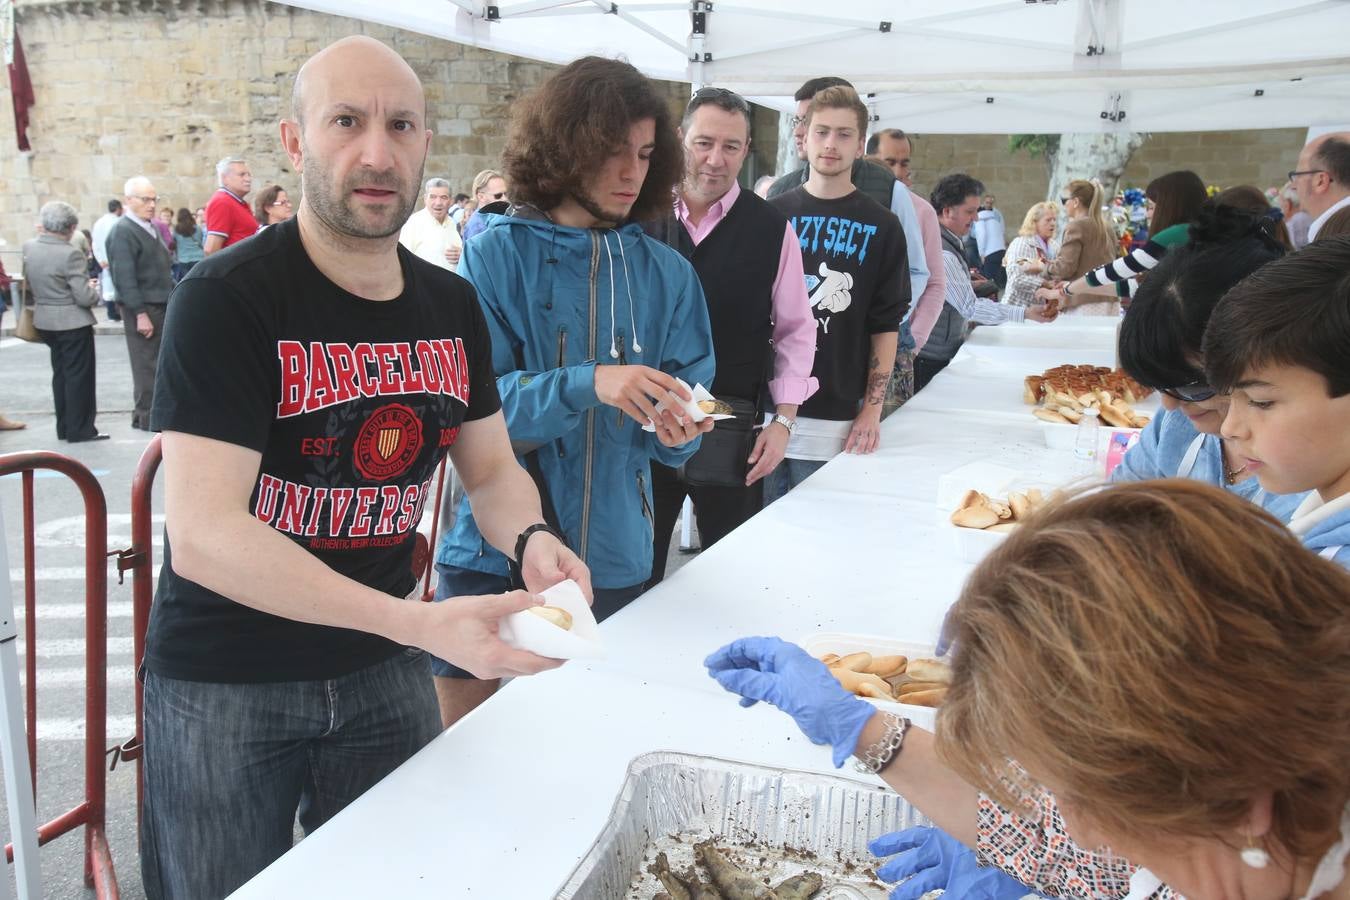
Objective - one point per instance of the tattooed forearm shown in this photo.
(879, 373)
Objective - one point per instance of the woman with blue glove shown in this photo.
(1150, 699)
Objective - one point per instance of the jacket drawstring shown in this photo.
(632, 316)
(613, 329)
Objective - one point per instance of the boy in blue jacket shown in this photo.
(1160, 344)
(1280, 341)
(591, 322)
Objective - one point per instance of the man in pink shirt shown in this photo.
(764, 334)
(895, 150)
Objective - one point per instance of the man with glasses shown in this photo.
(142, 275)
(228, 218)
(430, 233)
(764, 335)
(488, 187)
(1322, 178)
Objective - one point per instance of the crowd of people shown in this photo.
(309, 372)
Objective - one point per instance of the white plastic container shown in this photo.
(974, 544)
(823, 642)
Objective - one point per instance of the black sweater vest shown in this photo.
(736, 264)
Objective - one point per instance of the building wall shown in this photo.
(1223, 158)
(167, 87)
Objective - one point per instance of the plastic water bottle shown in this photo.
(1085, 442)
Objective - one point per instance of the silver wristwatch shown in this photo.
(789, 424)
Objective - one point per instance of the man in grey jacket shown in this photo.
(56, 273)
(142, 274)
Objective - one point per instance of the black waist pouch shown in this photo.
(721, 460)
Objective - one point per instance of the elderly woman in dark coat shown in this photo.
(56, 273)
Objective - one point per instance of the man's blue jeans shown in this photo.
(789, 474)
(227, 766)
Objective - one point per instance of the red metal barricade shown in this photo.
(98, 864)
(139, 560)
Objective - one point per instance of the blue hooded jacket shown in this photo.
(561, 301)
(1325, 528)
(1171, 447)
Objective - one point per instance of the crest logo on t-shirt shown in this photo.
(388, 442)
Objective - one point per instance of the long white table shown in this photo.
(504, 804)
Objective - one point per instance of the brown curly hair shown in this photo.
(566, 129)
(1169, 651)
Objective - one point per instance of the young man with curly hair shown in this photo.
(592, 321)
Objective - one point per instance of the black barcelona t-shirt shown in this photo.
(352, 404)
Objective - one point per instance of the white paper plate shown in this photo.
(527, 631)
(697, 392)
(823, 642)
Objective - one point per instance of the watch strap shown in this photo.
(524, 538)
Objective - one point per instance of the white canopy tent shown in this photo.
(962, 66)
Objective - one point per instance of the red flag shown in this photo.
(21, 89)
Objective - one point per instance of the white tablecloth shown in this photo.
(504, 804)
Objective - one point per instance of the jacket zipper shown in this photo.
(646, 507)
(590, 413)
(562, 360)
(623, 361)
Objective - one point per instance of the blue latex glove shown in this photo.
(783, 674)
(931, 859)
(945, 636)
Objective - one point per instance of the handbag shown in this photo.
(24, 329)
(722, 458)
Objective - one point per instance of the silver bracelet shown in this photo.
(879, 755)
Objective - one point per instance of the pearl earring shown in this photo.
(1254, 856)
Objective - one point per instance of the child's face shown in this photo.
(1206, 415)
(1293, 435)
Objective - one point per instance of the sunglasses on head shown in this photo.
(1195, 392)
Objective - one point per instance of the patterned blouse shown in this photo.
(1021, 290)
(1039, 853)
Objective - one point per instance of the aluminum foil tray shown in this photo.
(784, 821)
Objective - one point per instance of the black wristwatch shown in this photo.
(525, 535)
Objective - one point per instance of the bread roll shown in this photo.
(868, 689)
(914, 687)
(1021, 505)
(930, 699)
(1003, 527)
(1112, 416)
(829, 659)
(1073, 415)
(558, 616)
(853, 681)
(887, 666)
(1049, 415)
(975, 517)
(857, 662)
(929, 670)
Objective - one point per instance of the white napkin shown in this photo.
(697, 392)
(526, 631)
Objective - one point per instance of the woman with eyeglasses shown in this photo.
(272, 206)
(1160, 342)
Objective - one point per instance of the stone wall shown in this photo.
(1224, 158)
(167, 87)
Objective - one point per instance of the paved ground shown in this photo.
(25, 394)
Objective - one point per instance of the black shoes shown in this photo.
(96, 436)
